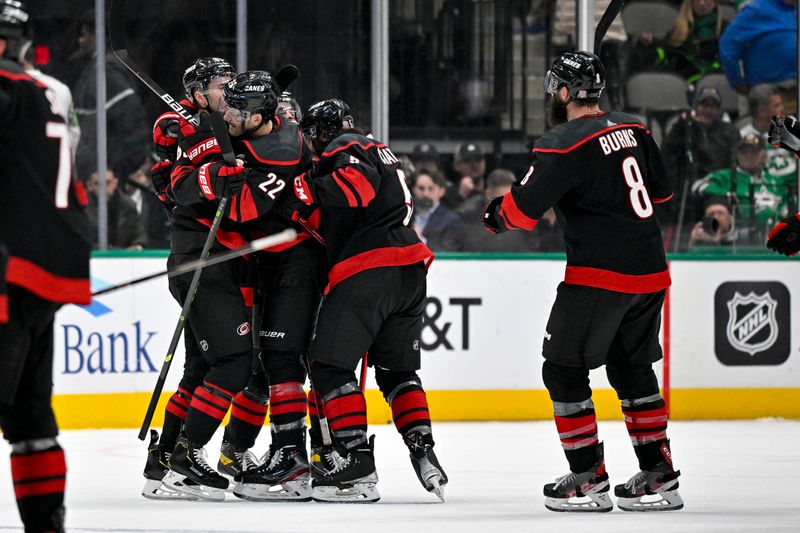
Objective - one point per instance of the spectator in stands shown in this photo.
(125, 228)
(425, 155)
(437, 226)
(716, 226)
(470, 166)
(151, 211)
(128, 136)
(764, 102)
(63, 95)
(760, 198)
(692, 47)
(763, 37)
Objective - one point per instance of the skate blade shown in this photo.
(154, 489)
(595, 503)
(358, 493)
(175, 481)
(233, 485)
(668, 500)
(437, 487)
(291, 491)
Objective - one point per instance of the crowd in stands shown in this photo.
(736, 59)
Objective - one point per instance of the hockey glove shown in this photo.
(302, 189)
(159, 176)
(198, 143)
(165, 137)
(785, 236)
(491, 218)
(218, 179)
(784, 131)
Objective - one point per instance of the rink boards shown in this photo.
(730, 332)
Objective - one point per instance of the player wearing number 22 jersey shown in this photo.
(603, 173)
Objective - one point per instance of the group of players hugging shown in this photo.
(353, 279)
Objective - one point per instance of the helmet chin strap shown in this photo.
(248, 132)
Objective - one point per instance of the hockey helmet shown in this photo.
(326, 119)
(14, 26)
(254, 91)
(202, 72)
(580, 72)
(288, 107)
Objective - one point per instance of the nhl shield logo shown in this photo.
(752, 326)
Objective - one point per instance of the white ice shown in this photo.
(737, 476)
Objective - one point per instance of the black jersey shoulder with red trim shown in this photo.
(43, 220)
(366, 207)
(603, 174)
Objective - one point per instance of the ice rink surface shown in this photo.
(737, 476)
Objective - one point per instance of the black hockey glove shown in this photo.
(784, 131)
(218, 179)
(159, 176)
(491, 217)
(785, 236)
(198, 143)
(165, 138)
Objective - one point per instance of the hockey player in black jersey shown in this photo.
(784, 131)
(373, 303)
(603, 173)
(44, 263)
(290, 278)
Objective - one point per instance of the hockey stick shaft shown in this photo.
(362, 383)
(251, 247)
(319, 404)
(611, 12)
(119, 47)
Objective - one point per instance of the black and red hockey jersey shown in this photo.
(603, 173)
(280, 155)
(43, 220)
(366, 208)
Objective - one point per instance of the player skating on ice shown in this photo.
(373, 303)
(290, 278)
(44, 263)
(784, 131)
(603, 173)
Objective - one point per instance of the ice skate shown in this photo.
(651, 490)
(426, 465)
(233, 462)
(155, 469)
(351, 478)
(285, 475)
(189, 460)
(584, 492)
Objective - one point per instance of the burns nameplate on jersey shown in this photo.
(752, 323)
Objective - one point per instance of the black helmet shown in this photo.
(13, 25)
(580, 72)
(254, 91)
(287, 103)
(202, 72)
(328, 117)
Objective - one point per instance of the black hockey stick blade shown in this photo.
(286, 76)
(116, 34)
(220, 129)
(613, 9)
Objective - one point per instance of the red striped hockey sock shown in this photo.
(248, 412)
(287, 416)
(409, 407)
(577, 428)
(174, 415)
(646, 419)
(39, 480)
(346, 411)
(209, 406)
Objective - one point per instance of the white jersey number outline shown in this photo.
(59, 130)
(640, 200)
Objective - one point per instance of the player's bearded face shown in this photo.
(556, 110)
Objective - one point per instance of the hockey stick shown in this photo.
(364, 365)
(286, 235)
(119, 47)
(613, 9)
(286, 76)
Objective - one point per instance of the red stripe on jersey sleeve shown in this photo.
(359, 182)
(3, 309)
(662, 200)
(351, 198)
(512, 213)
(30, 276)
